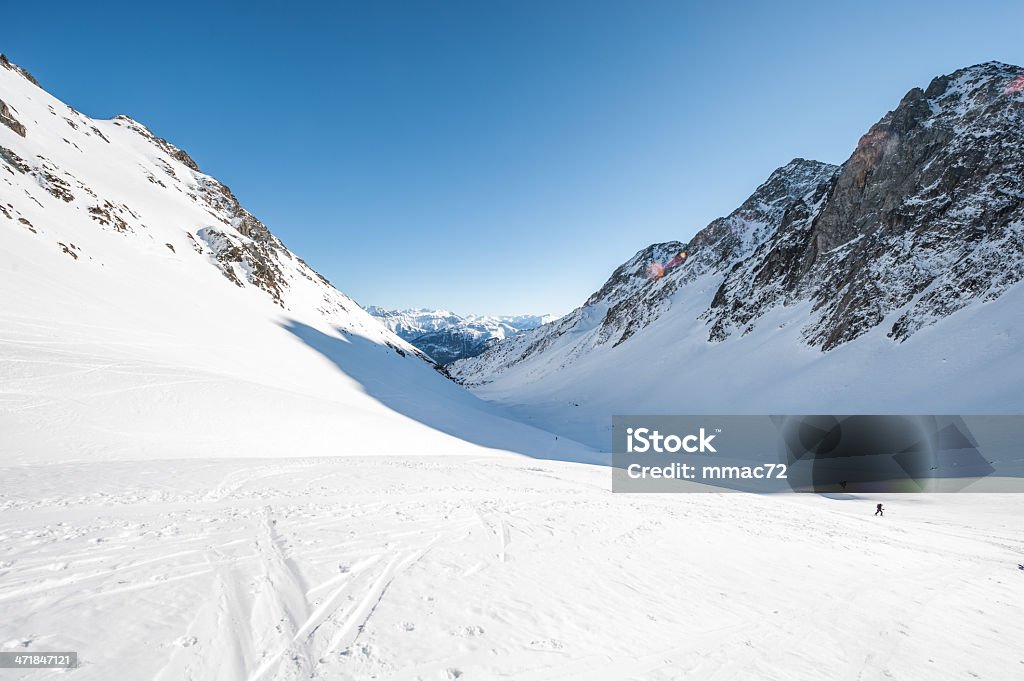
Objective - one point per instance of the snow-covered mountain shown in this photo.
(446, 337)
(890, 283)
(145, 312)
(146, 315)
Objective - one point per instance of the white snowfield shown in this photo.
(464, 567)
(198, 483)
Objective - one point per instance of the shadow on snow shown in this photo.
(414, 389)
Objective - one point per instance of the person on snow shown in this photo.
(879, 510)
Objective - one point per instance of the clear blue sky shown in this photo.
(497, 156)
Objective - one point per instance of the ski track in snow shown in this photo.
(489, 568)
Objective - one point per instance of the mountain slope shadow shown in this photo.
(414, 389)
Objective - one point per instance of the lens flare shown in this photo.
(1016, 85)
(680, 257)
(656, 271)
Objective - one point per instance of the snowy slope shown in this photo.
(440, 568)
(445, 336)
(147, 314)
(891, 284)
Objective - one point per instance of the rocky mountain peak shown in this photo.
(174, 152)
(925, 218)
(66, 179)
(11, 66)
(926, 213)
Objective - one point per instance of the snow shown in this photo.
(122, 367)
(141, 347)
(486, 568)
(940, 314)
(419, 321)
(199, 483)
(968, 363)
(445, 336)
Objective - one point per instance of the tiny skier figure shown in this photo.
(879, 510)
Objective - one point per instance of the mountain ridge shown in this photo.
(446, 336)
(148, 314)
(822, 266)
(930, 192)
(630, 300)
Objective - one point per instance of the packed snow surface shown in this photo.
(466, 567)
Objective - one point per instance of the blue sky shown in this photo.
(497, 157)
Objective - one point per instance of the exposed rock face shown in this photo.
(14, 161)
(11, 66)
(718, 247)
(259, 253)
(924, 218)
(631, 300)
(67, 170)
(171, 150)
(248, 251)
(8, 119)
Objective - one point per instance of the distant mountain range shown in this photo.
(888, 283)
(446, 337)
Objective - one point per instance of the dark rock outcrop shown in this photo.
(8, 119)
(7, 64)
(924, 217)
(171, 150)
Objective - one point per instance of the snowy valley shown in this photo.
(215, 466)
(445, 336)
